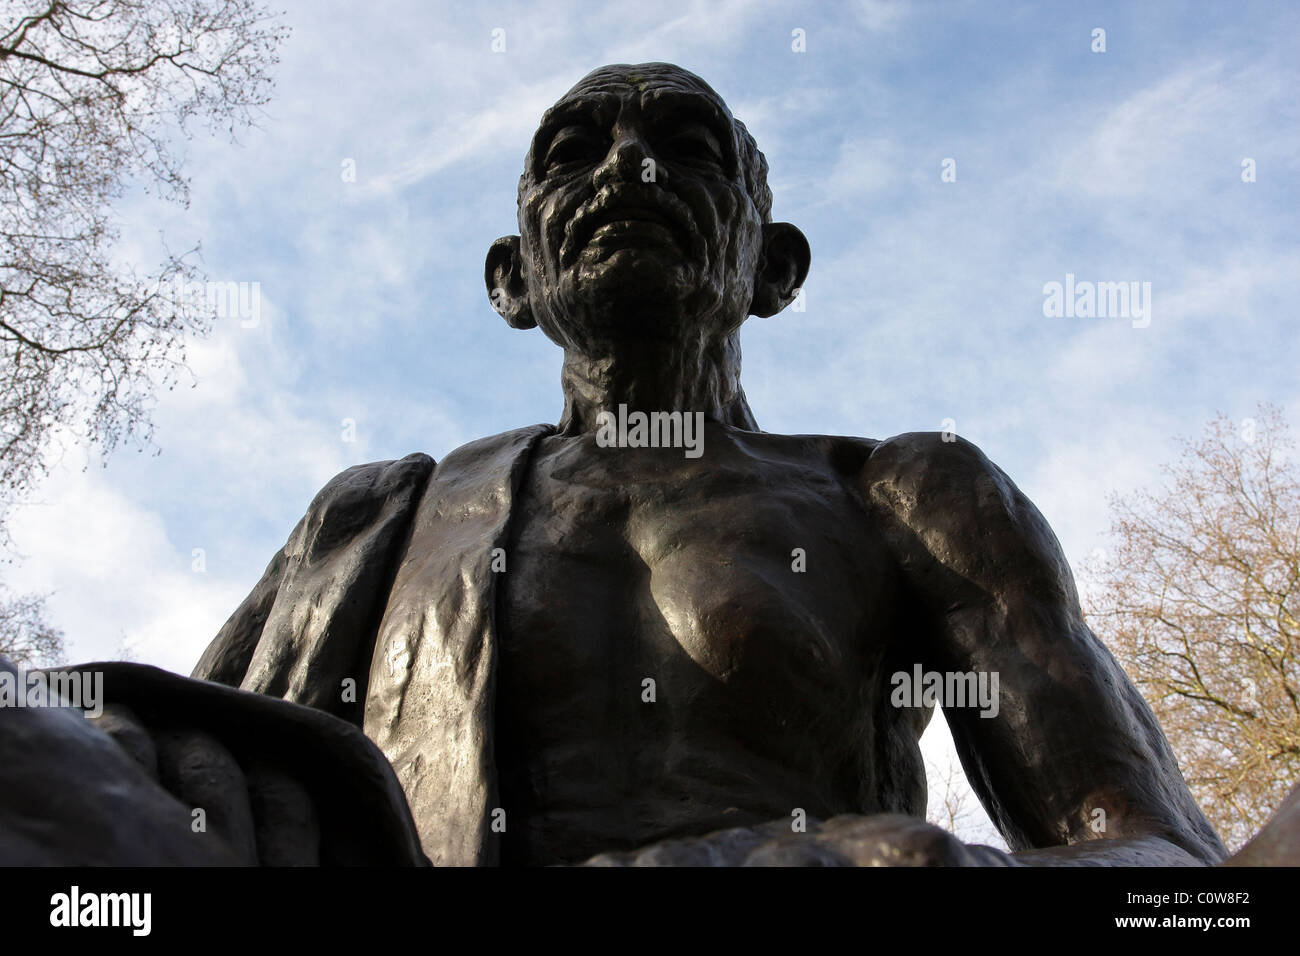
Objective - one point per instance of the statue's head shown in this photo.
(644, 214)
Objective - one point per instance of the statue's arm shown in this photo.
(306, 631)
(279, 783)
(1071, 735)
(167, 770)
(226, 659)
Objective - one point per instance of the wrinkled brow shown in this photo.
(586, 109)
(661, 105)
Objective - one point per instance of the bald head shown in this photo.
(644, 218)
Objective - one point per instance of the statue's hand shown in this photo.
(848, 840)
(261, 814)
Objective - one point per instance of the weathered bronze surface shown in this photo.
(574, 650)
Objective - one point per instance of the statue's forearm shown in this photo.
(205, 745)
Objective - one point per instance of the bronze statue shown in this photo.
(652, 633)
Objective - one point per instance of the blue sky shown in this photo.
(924, 301)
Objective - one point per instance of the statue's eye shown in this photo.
(575, 145)
(695, 146)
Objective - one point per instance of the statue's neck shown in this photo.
(655, 377)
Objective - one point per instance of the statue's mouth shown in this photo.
(612, 221)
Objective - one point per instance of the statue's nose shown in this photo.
(626, 160)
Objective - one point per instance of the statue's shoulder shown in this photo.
(379, 480)
(485, 454)
(354, 523)
(929, 462)
(375, 480)
(942, 494)
(919, 472)
(913, 461)
(355, 500)
(937, 484)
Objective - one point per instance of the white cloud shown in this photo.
(865, 165)
(1181, 133)
(114, 574)
(882, 16)
(484, 129)
(118, 556)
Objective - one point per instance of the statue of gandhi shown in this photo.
(652, 634)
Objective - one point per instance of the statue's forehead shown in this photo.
(642, 77)
(600, 96)
(626, 81)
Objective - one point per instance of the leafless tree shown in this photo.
(952, 804)
(1198, 600)
(93, 96)
(25, 637)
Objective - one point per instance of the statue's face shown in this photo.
(634, 217)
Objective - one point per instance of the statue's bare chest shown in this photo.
(706, 626)
(737, 562)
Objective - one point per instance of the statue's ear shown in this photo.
(506, 288)
(781, 269)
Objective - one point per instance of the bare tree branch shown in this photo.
(1199, 603)
(92, 94)
(25, 636)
